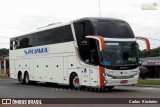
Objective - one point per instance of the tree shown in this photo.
(153, 53)
(4, 51)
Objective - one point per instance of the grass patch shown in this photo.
(149, 83)
(2, 76)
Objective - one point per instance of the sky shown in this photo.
(22, 16)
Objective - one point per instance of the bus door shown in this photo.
(85, 75)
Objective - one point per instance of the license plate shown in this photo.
(124, 81)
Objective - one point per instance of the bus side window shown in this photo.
(79, 30)
(15, 44)
(93, 56)
(83, 29)
(24, 43)
(11, 45)
(94, 52)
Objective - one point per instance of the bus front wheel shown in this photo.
(74, 81)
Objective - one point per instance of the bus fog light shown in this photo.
(104, 74)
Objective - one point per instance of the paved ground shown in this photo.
(13, 89)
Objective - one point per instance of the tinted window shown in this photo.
(83, 29)
(51, 36)
(120, 54)
(114, 29)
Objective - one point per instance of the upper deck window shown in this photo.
(113, 29)
(82, 29)
(51, 36)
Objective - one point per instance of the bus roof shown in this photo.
(91, 19)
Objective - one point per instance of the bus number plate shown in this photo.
(124, 81)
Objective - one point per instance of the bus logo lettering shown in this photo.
(36, 51)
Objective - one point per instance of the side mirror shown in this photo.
(146, 41)
(140, 64)
(100, 40)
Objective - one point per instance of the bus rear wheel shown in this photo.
(26, 78)
(75, 81)
(20, 78)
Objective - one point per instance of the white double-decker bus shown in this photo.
(92, 52)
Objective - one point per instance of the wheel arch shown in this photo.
(25, 72)
(19, 73)
(71, 76)
(74, 71)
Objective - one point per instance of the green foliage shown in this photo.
(4, 51)
(153, 53)
(148, 82)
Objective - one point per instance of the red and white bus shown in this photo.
(92, 52)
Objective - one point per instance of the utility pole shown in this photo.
(99, 8)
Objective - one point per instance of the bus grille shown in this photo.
(121, 77)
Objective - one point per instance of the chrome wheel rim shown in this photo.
(76, 81)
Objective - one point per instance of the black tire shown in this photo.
(74, 81)
(21, 80)
(110, 88)
(26, 78)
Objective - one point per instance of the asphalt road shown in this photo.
(10, 88)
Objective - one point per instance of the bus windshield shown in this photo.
(120, 54)
(114, 29)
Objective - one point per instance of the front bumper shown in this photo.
(114, 82)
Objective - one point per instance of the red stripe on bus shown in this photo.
(102, 78)
(102, 42)
(146, 41)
